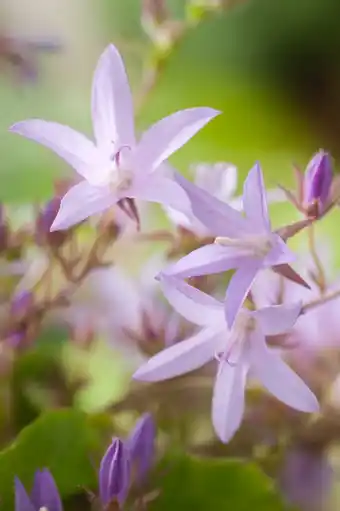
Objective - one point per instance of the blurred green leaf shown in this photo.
(61, 441)
(202, 484)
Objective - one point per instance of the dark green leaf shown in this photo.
(207, 484)
(62, 441)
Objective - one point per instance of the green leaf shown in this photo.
(221, 484)
(62, 441)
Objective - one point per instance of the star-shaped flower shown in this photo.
(245, 242)
(238, 351)
(116, 166)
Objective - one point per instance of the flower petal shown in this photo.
(157, 188)
(255, 201)
(22, 500)
(112, 108)
(280, 253)
(193, 304)
(278, 319)
(217, 216)
(205, 260)
(80, 202)
(180, 358)
(238, 288)
(45, 493)
(278, 378)
(228, 397)
(219, 179)
(169, 134)
(73, 147)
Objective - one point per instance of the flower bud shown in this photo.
(142, 446)
(317, 183)
(21, 303)
(114, 473)
(44, 222)
(44, 494)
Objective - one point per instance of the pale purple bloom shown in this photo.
(44, 494)
(306, 477)
(114, 473)
(317, 181)
(238, 351)
(246, 243)
(220, 180)
(116, 166)
(141, 444)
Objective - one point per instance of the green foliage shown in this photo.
(220, 484)
(61, 441)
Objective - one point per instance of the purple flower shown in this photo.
(317, 182)
(306, 478)
(44, 494)
(246, 243)
(220, 180)
(114, 473)
(21, 303)
(116, 166)
(238, 351)
(141, 444)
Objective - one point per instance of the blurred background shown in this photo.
(273, 68)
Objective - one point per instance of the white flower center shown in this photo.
(244, 324)
(120, 176)
(256, 246)
(43, 509)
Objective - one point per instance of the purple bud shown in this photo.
(114, 473)
(44, 222)
(318, 180)
(44, 494)
(21, 303)
(142, 446)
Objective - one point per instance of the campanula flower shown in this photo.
(114, 473)
(245, 242)
(237, 351)
(116, 166)
(44, 494)
(318, 180)
(141, 444)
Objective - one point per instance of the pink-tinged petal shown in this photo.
(80, 202)
(278, 378)
(77, 150)
(280, 253)
(181, 358)
(22, 501)
(239, 286)
(162, 190)
(193, 304)
(278, 319)
(255, 201)
(205, 260)
(228, 397)
(112, 108)
(217, 216)
(169, 134)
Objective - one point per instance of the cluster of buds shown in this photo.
(125, 465)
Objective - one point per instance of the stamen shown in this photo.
(258, 246)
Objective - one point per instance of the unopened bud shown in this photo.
(21, 304)
(44, 222)
(141, 444)
(317, 183)
(114, 473)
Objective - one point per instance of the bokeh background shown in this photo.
(273, 68)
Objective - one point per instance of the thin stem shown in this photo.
(320, 301)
